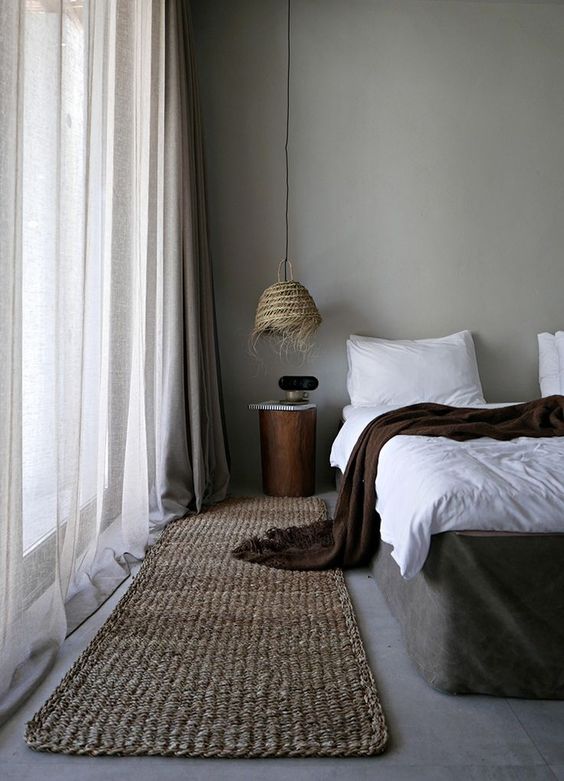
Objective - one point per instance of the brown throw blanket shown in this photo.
(352, 537)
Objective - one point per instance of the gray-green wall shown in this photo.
(427, 184)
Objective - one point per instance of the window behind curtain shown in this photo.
(53, 238)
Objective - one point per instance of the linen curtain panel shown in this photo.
(110, 415)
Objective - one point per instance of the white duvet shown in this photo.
(427, 485)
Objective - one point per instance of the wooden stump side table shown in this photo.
(287, 446)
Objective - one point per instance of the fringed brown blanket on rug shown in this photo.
(352, 537)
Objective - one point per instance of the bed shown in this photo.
(471, 560)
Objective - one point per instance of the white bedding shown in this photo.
(427, 485)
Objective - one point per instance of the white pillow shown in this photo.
(403, 371)
(551, 363)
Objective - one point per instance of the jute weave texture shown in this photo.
(207, 656)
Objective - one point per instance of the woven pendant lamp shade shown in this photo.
(287, 312)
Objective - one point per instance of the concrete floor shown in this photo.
(434, 737)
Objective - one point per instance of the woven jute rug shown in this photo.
(207, 656)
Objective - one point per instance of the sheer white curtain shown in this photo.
(87, 316)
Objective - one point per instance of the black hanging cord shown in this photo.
(286, 145)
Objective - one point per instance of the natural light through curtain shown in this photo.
(81, 302)
(51, 56)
